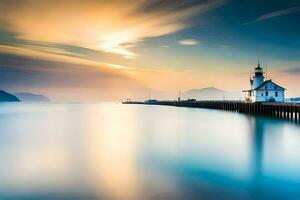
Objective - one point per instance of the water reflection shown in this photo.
(256, 126)
(114, 151)
(112, 148)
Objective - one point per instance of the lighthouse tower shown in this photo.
(258, 78)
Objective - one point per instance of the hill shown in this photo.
(29, 97)
(6, 97)
(211, 93)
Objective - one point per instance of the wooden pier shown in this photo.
(287, 111)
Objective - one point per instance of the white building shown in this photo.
(263, 90)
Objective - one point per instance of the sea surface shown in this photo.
(142, 152)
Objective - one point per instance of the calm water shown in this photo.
(136, 152)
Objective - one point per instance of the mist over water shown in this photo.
(134, 152)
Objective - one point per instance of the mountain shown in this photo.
(6, 97)
(211, 93)
(293, 100)
(29, 97)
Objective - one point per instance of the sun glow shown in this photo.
(118, 43)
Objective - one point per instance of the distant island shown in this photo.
(295, 99)
(22, 97)
(30, 97)
(6, 97)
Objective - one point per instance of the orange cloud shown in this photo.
(112, 27)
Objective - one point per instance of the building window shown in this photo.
(275, 87)
(267, 93)
(262, 94)
(266, 87)
(276, 94)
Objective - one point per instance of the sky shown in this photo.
(100, 50)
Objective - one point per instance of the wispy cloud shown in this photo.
(113, 27)
(189, 42)
(293, 71)
(48, 54)
(273, 14)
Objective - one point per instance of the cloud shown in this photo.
(190, 42)
(111, 26)
(65, 81)
(275, 14)
(50, 54)
(64, 78)
(293, 71)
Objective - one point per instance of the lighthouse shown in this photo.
(263, 90)
(258, 78)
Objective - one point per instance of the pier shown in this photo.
(287, 111)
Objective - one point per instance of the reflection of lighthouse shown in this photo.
(257, 133)
(258, 78)
(257, 144)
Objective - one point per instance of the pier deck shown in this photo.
(287, 111)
